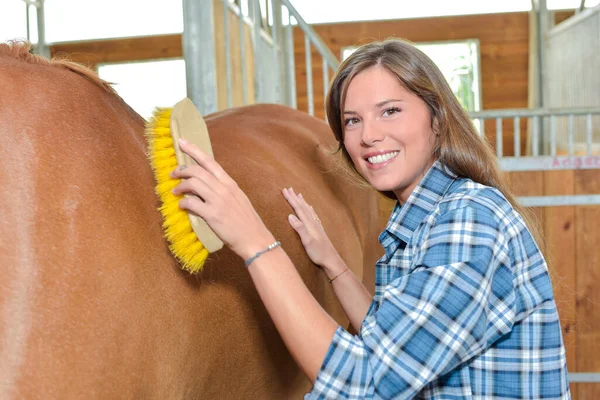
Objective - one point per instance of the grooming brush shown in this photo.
(190, 239)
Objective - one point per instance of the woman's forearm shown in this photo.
(352, 294)
(304, 326)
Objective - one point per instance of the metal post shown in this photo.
(276, 34)
(309, 80)
(243, 57)
(499, 137)
(517, 136)
(290, 67)
(199, 54)
(543, 26)
(256, 17)
(227, 53)
(41, 48)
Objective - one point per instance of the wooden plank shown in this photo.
(121, 50)
(236, 59)
(559, 234)
(587, 221)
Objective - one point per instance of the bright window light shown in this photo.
(147, 85)
(68, 20)
(13, 23)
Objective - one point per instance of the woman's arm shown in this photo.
(304, 326)
(352, 294)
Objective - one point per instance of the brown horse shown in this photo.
(92, 304)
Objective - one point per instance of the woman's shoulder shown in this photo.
(484, 200)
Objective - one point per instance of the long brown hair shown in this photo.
(458, 145)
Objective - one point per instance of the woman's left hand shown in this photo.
(217, 198)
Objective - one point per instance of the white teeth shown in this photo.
(382, 157)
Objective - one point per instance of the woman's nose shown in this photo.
(371, 134)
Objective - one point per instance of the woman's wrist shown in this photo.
(334, 266)
(258, 244)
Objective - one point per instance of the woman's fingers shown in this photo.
(297, 204)
(204, 160)
(195, 205)
(195, 186)
(304, 211)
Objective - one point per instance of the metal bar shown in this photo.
(317, 42)
(588, 134)
(243, 57)
(587, 377)
(325, 79)
(535, 139)
(549, 163)
(199, 53)
(555, 201)
(256, 17)
(571, 136)
(542, 28)
(541, 112)
(552, 135)
(41, 47)
(275, 34)
(227, 53)
(309, 83)
(499, 137)
(27, 16)
(291, 64)
(517, 129)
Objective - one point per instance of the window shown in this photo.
(13, 22)
(147, 85)
(68, 20)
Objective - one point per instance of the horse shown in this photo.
(92, 303)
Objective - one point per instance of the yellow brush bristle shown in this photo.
(183, 242)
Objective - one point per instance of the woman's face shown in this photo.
(387, 132)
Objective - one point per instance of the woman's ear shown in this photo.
(435, 126)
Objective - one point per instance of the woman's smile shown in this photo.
(378, 160)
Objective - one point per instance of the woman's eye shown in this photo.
(350, 121)
(391, 111)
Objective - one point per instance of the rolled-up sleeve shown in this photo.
(455, 302)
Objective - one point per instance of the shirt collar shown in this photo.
(422, 201)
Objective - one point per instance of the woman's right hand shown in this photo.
(312, 234)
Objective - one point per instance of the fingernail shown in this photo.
(300, 195)
(292, 218)
(183, 141)
(182, 167)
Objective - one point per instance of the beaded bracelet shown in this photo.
(260, 253)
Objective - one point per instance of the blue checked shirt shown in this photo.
(463, 306)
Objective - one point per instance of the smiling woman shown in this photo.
(463, 304)
(390, 141)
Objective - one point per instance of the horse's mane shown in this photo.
(20, 50)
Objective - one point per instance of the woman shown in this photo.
(463, 306)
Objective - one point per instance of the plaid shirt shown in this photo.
(463, 306)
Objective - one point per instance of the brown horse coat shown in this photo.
(92, 304)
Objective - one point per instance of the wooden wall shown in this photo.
(503, 43)
(504, 56)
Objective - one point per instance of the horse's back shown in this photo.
(92, 303)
